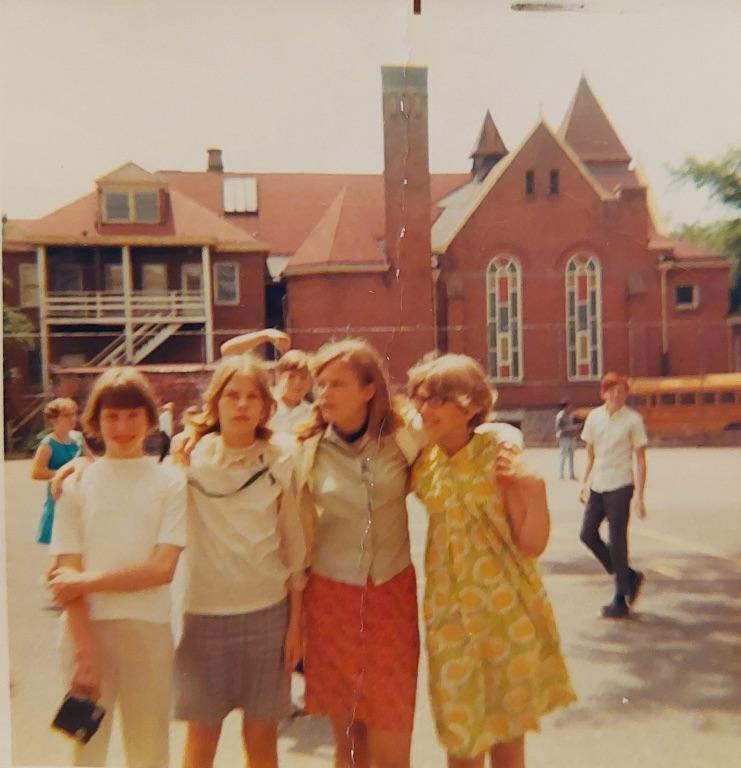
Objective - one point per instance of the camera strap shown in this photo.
(246, 484)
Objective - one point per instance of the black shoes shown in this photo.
(636, 582)
(615, 610)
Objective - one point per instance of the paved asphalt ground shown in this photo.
(662, 690)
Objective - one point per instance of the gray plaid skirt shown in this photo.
(233, 662)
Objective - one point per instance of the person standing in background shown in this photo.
(566, 432)
(166, 428)
(56, 449)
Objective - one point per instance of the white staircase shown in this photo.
(146, 337)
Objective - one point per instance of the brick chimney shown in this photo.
(215, 162)
(407, 204)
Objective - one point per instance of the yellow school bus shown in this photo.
(684, 406)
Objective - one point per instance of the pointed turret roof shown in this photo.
(588, 131)
(489, 141)
(340, 242)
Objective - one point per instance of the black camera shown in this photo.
(78, 718)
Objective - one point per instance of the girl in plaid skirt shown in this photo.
(245, 569)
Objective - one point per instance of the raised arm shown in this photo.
(249, 341)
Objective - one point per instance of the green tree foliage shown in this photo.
(18, 332)
(722, 180)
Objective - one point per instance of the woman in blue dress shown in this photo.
(61, 445)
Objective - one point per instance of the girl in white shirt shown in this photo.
(242, 625)
(118, 534)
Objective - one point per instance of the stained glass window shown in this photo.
(583, 317)
(504, 299)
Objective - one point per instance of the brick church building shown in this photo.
(544, 262)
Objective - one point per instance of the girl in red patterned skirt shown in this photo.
(361, 644)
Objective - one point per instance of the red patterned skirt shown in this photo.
(361, 650)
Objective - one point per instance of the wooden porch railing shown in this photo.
(104, 305)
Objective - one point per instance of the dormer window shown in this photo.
(131, 195)
(142, 207)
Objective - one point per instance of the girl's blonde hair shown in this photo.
(206, 420)
(118, 387)
(456, 378)
(368, 367)
(54, 408)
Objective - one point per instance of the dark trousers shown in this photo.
(615, 506)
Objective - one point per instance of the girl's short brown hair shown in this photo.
(456, 378)
(206, 420)
(54, 408)
(119, 387)
(368, 367)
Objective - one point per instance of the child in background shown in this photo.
(493, 648)
(119, 532)
(241, 635)
(294, 383)
(293, 377)
(56, 449)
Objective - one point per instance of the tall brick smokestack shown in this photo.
(407, 207)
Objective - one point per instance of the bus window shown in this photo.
(638, 401)
(668, 398)
(726, 397)
(708, 398)
(686, 398)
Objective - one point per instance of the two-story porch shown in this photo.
(111, 305)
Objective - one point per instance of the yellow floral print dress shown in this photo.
(492, 643)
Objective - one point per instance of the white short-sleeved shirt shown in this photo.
(614, 438)
(114, 516)
(245, 547)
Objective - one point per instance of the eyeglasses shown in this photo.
(431, 401)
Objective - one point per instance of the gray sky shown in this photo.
(295, 85)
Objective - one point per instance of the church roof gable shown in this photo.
(461, 205)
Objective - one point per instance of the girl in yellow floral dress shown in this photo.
(492, 643)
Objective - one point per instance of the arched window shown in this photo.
(504, 318)
(583, 317)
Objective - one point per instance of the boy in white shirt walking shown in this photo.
(613, 434)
